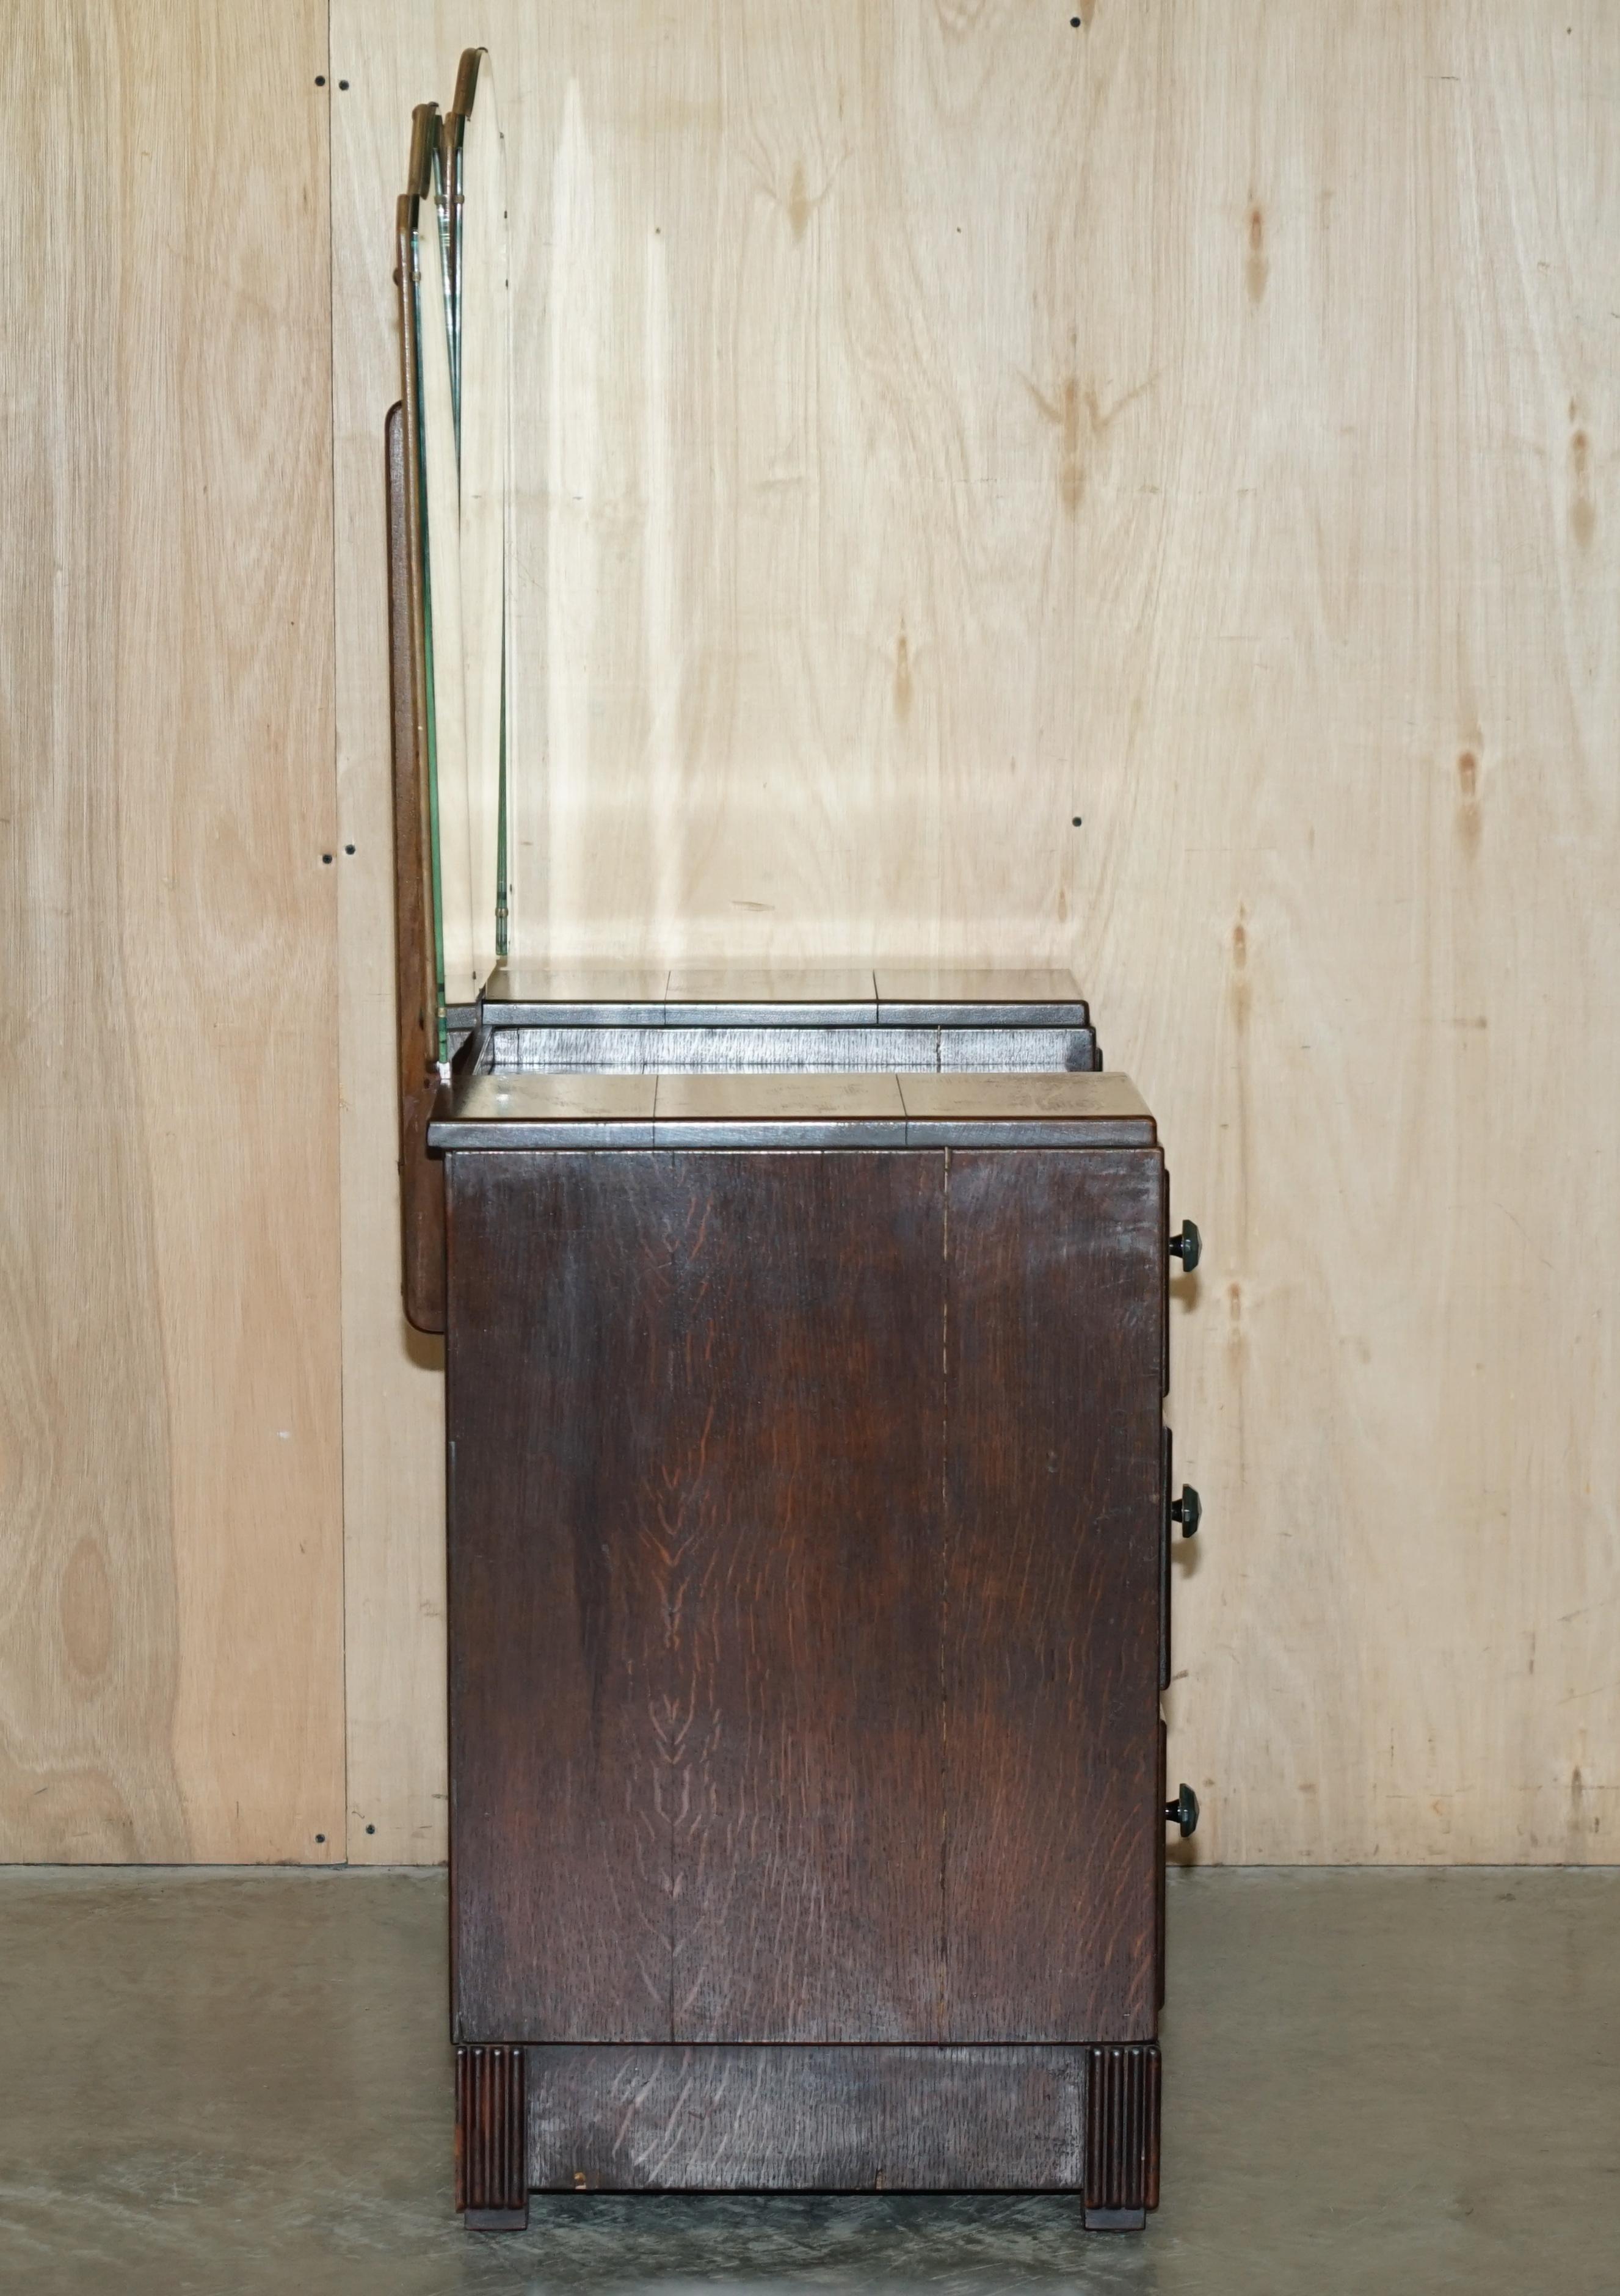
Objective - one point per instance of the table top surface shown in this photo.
(522, 993)
(511, 1109)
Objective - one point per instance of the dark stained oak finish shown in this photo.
(1122, 2123)
(1166, 1484)
(1161, 1795)
(560, 1829)
(1051, 1633)
(421, 1179)
(807, 1585)
(695, 1405)
(491, 2139)
(803, 1591)
(897, 2119)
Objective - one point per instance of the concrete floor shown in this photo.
(234, 2081)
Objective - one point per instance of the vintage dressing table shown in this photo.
(809, 1523)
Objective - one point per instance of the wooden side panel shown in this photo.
(803, 1592)
(696, 1406)
(171, 1569)
(1051, 1616)
(565, 1740)
(784, 2119)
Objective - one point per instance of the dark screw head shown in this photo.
(1187, 1246)
(1183, 1812)
(1188, 1511)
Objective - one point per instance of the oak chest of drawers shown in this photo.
(809, 1521)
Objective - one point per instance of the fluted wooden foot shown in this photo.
(1122, 2088)
(491, 2140)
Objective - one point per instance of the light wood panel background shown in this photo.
(171, 1562)
(394, 1411)
(937, 421)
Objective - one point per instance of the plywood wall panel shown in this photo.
(393, 1378)
(170, 1578)
(937, 423)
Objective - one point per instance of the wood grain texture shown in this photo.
(784, 2119)
(421, 1179)
(393, 1378)
(1051, 1619)
(565, 1745)
(1121, 2134)
(804, 1594)
(491, 2137)
(936, 423)
(695, 1411)
(170, 1577)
